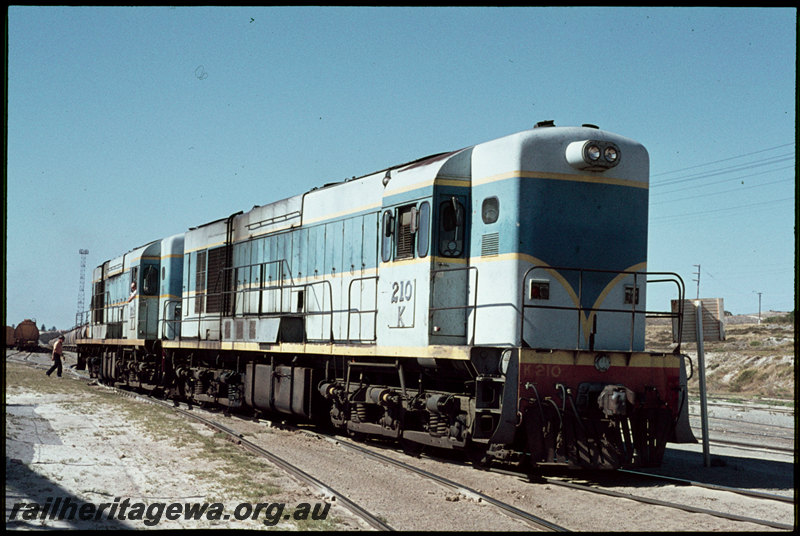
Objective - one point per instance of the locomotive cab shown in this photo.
(423, 274)
(142, 267)
(562, 266)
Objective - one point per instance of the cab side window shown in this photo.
(387, 232)
(451, 228)
(405, 231)
(490, 210)
(423, 231)
(150, 281)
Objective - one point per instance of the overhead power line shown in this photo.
(732, 179)
(746, 171)
(714, 173)
(704, 212)
(737, 190)
(723, 160)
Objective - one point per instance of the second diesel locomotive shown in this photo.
(489, 299)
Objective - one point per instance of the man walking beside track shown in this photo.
(56, 358)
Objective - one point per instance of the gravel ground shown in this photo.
(65, 439)
(70, 441)
(399, 495)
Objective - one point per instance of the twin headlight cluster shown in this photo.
(592, 155)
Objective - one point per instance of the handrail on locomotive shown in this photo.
(581, 310)
(359, 312)
(176, 321)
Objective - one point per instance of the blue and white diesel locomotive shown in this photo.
(490, 299)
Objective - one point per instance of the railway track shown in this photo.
(573, 484)
(743, 445)
(371, 519)
(769, 432)
(743, 407)
(533, 520)
(508, 509)
(778, 427)
(570, 483)
(374, 521)
(18, 355)
(740, 491)
(609, 480)
(652, 479)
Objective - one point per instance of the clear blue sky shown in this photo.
(126, 125)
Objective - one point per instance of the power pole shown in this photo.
(83, 253)
(698, 280)
(759, 305)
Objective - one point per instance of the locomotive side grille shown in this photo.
(490, 245)
(200, 282)
(239, 329)
(99, 302)
(215, 274)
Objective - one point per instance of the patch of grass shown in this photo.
(744, 377)
(781, 319)
(317, 524)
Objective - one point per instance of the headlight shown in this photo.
(602, 362)
(592, 155)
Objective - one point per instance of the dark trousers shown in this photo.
(56, 365)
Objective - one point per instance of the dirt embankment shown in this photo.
(754, 360)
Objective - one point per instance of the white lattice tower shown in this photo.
(78, 315)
